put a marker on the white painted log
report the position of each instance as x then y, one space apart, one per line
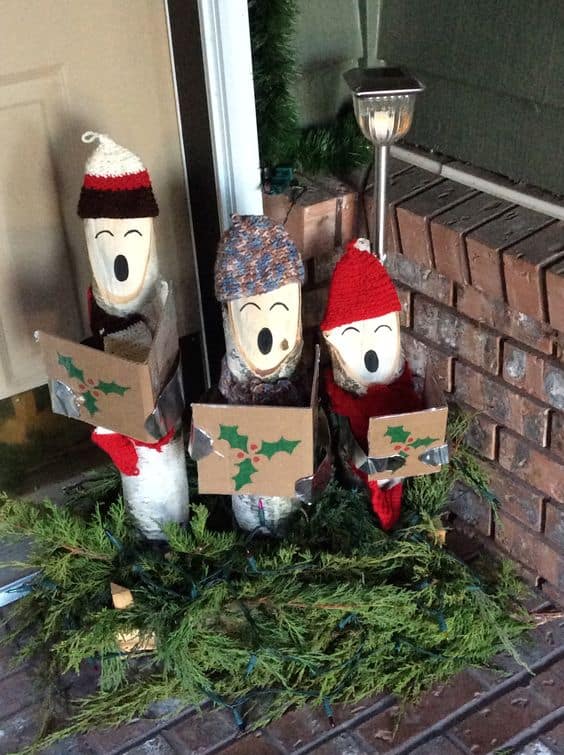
266 328
276 512
367 352
263 336
159 493
123 260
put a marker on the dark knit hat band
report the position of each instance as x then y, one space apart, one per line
131 203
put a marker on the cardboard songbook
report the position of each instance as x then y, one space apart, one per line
107 390
259 450
410 444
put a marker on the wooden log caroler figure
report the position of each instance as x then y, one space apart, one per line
258 277
369 376
126 299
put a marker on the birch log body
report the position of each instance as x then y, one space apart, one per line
159 493
258 277
276 512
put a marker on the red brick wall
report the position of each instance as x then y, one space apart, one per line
482 287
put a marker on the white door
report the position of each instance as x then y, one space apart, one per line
67 66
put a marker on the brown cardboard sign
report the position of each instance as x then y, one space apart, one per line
131 640
107 390
259 450
415 439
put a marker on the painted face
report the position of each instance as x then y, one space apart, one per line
369 351
119 251
267 327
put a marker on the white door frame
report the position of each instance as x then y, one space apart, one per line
226 48
211 59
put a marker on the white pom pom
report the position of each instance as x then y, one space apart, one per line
363 245
90 136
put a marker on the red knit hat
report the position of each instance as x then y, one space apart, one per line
116 183
360 288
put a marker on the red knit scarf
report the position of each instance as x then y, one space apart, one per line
395 398
122 450
379 400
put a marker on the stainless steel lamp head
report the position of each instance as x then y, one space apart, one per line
383 99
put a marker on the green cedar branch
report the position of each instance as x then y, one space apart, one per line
289 616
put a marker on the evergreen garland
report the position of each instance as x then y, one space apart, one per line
272 25
336 611
333 148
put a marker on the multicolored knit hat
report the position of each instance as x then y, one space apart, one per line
360 288
116 183
255 256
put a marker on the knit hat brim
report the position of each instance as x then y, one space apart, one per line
130 203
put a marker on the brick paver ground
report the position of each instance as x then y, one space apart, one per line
478 711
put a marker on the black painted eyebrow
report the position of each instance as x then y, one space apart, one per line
249 304
350 327
101 232
132 230
383 326
279 304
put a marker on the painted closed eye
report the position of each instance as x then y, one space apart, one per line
101 232
132 230
279 304
350 327
383 326
249 304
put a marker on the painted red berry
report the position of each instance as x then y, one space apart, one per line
82 387
397 448
96 393
90 381
253 446
240 455
256 458
410 440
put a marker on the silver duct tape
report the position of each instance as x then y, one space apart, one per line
200 443
368 464
304 488
169 407
18 589
64 400
308 488
379 464
435 457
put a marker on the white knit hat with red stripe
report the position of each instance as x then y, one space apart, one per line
116 183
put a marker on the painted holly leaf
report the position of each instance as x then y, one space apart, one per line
112 387
231 434
245 474
282 445
69 365
90 403
422 442
397 433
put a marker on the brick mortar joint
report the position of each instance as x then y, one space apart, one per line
498 378
539 536
527 487
452 309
